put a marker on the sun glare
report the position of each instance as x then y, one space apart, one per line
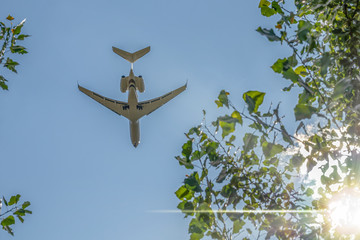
344 210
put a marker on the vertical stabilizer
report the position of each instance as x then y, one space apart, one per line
131 57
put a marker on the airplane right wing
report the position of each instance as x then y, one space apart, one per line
121 108
147 107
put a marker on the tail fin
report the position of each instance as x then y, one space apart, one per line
131 57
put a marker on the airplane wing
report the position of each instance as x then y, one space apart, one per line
147 107
121 108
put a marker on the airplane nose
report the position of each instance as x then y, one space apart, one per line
136 144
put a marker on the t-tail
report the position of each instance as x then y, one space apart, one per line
131 57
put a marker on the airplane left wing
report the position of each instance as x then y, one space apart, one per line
147 107
121 108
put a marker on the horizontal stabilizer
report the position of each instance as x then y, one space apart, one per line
131 57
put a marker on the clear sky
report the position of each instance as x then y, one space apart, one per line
73 158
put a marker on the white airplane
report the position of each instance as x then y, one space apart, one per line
133 109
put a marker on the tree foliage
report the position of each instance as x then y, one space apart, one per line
8 38
256 163
14 209
9 35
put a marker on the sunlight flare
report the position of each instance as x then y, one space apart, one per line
344 210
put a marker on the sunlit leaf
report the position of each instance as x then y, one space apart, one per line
10 18
253 99
237 116
227 128
301 70
267 12
183 193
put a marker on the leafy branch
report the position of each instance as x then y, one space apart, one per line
13 209
9 37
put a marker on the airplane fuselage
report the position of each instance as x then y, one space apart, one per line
134 123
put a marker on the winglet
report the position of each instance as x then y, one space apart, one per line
131 57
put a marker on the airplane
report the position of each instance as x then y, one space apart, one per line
133 109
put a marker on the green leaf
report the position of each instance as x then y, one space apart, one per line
14 199
187 149
22 37
18 49
277 7
227 190
193 183
263 3
303 111
197 229
20 218
269 33
301 70
186 207
223 99
310 165
237 116
291 75
250 141
267 12
20 212
183 193
290 187
238 224
297 160
253 99
10 220
9 230
309 192
285 135
206 216
227 128
280 65
271 149
5 202
10 18
335 175
3 83
304 28
10 64
222 175
340 88
25 204
324 63
186 162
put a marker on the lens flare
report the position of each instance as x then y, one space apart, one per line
238 211
344 210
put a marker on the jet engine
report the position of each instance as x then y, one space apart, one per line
137 82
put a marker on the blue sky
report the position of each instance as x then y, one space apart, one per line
73 158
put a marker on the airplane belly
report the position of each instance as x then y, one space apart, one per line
135 133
